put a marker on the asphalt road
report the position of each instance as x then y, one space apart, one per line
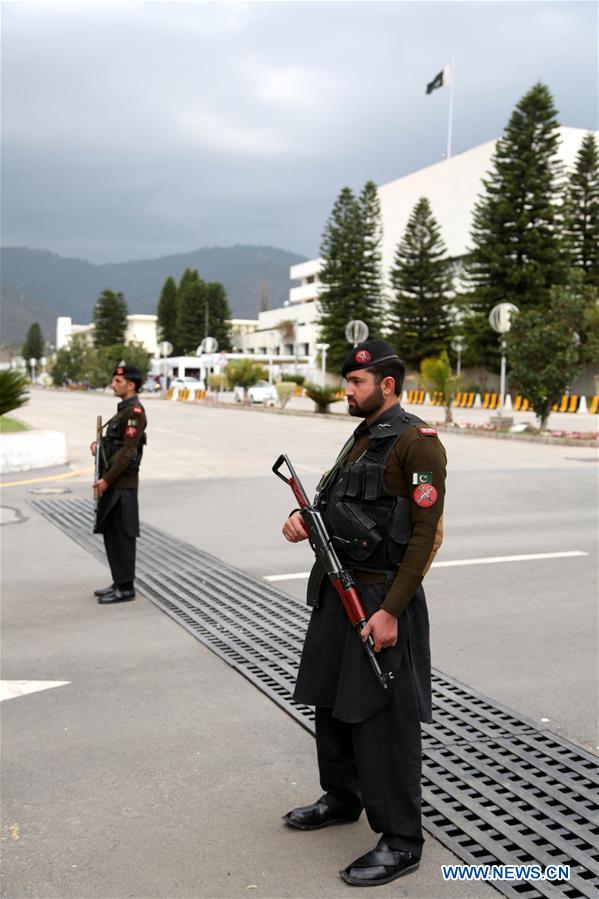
523 632
158 771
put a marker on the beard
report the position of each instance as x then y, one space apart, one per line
373 402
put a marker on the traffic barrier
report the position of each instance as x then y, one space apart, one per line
594 407
437 398
521 404
567 404
416 397
491 401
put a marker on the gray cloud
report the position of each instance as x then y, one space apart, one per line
138 129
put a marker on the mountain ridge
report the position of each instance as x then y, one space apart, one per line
38 285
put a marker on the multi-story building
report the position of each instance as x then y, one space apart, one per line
452 187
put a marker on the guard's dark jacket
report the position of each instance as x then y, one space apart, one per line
121 452
386 538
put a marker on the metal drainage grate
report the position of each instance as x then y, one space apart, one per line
496 789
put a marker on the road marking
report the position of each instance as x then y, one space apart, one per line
490 560
51 477
10 689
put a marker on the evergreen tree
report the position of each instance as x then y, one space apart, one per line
544 349
33 347
421 277
110 319
219 315
582 210
372 265
191 312
518 249
167 312
342 298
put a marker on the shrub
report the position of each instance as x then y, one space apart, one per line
295 379
322 396
13 390
245 373
285 390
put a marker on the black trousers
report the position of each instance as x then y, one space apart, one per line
120 544
377 763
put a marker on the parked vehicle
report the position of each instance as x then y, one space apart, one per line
262 392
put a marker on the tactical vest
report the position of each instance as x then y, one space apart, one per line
113 441
371 528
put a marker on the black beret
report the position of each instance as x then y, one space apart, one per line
129 372
367 354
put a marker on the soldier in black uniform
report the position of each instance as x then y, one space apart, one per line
383 502
117 516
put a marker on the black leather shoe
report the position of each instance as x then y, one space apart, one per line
102 591
322 813
116 595
381 865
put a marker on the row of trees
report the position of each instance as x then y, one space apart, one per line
191 311
534 242
92 364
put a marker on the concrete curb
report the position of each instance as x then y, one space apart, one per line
476 432
27 450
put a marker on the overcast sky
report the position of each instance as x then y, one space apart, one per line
134 130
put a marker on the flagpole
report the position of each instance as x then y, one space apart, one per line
450 119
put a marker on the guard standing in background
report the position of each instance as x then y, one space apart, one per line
382 501
118 515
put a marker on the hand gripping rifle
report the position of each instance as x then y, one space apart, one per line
339 576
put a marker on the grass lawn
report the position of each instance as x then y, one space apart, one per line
10 425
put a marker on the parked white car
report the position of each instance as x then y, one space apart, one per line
262 392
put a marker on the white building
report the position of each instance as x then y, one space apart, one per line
141 328
452 186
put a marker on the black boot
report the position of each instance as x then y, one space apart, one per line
381 865
322 813
102 591
116 595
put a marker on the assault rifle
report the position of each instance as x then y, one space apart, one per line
98 460
340 577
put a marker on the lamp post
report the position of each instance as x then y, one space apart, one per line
322 348
32 364
458 344
500 319
165 349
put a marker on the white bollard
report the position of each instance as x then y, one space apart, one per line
427 399
404 396
478 401
582 406
508 402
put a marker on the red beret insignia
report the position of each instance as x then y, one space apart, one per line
428 432
120 370
137 409
363 356
425 495
131 432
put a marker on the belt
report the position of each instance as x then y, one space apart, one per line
367 578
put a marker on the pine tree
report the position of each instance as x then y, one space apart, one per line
219 315
518 249
372 266
422 278
191 312
167 312
33 347
582 210
343 249
110 319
